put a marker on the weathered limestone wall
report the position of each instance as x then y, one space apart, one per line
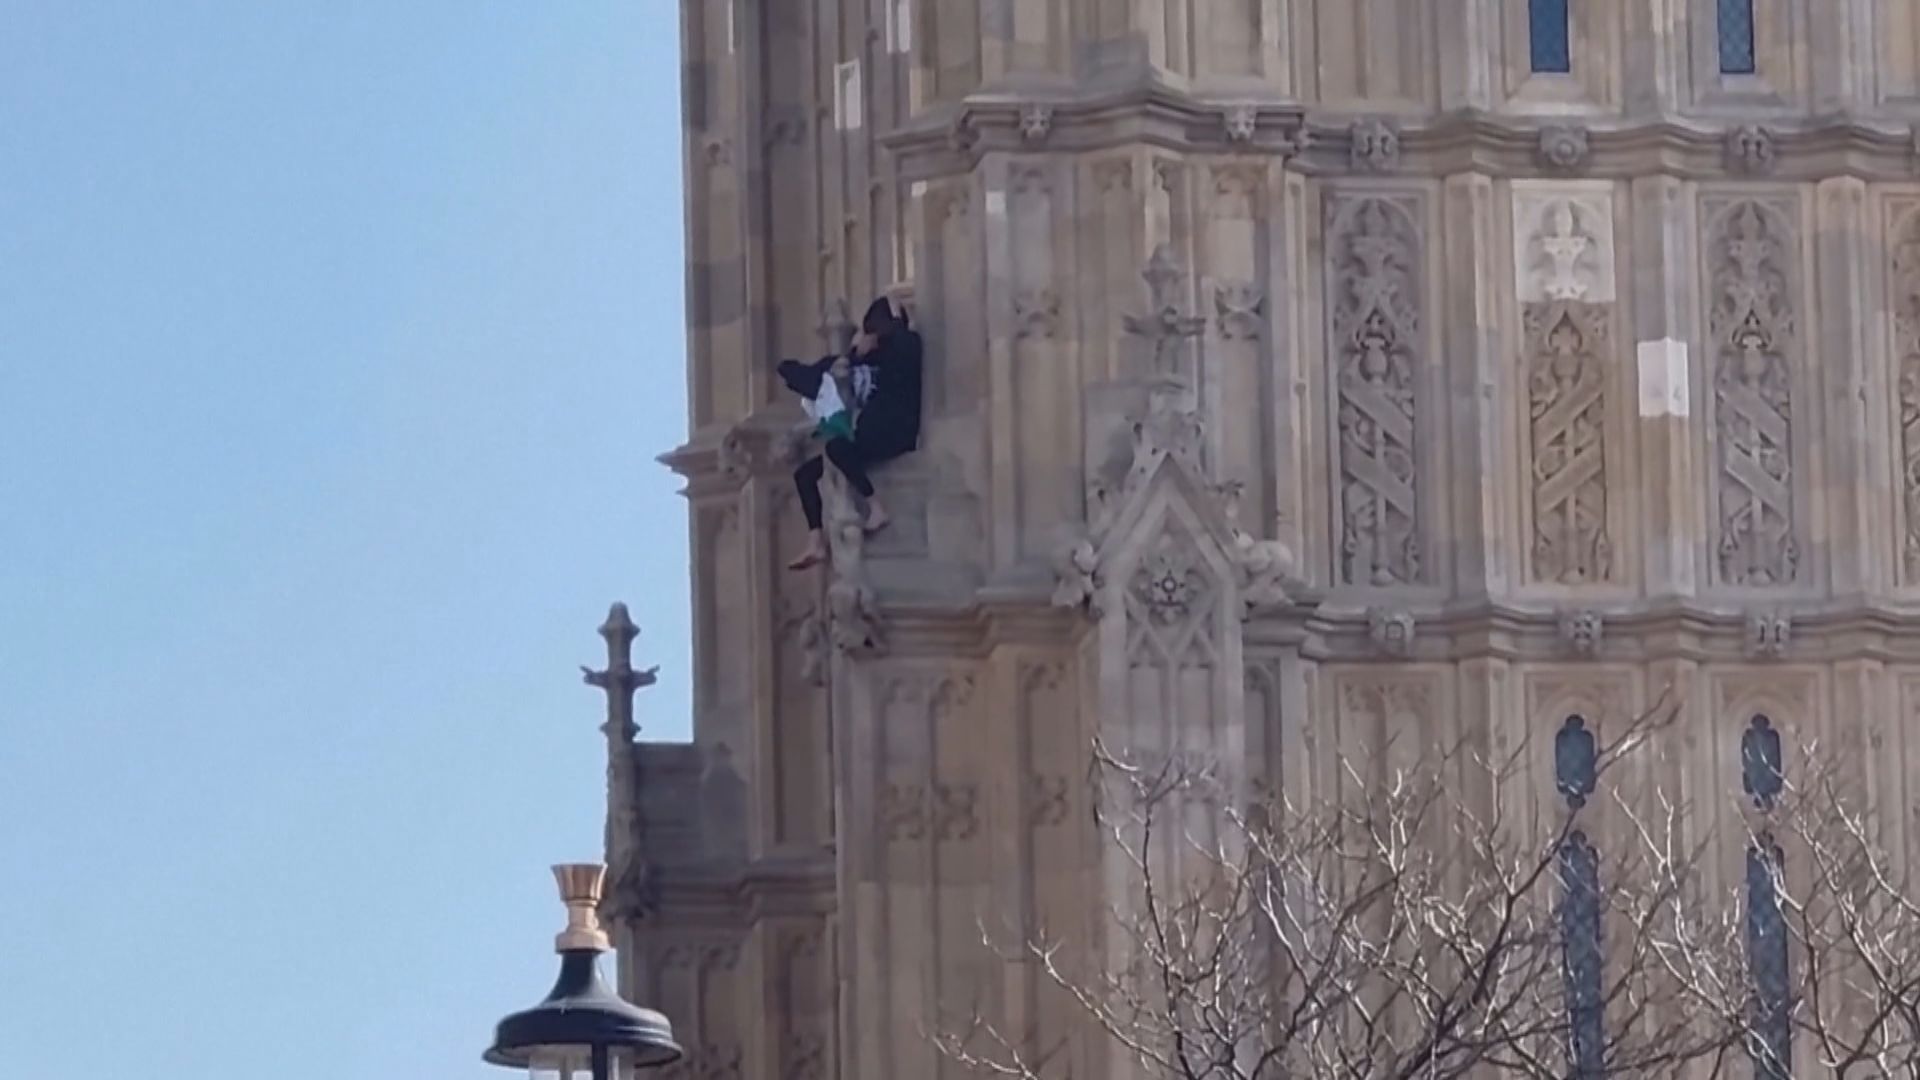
1299 371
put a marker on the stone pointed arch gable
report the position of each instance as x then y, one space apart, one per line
1161 574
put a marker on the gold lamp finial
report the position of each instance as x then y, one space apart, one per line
580 885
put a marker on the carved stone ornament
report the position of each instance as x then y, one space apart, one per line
1769 633
1076 574
1266 568
736 461
806 1054
1391 630
956 811
962 133
1374 255
1241 309
1240 121
1031 180
718 1062
903 812
1171 429
1048 800
1566 252
1751 150
855 625
625 895
1169 583
1905 259
802 630
786 131
1563 146
1036 122
1036 313
1168 327
1171 602
1582 631
1567 343
1373 146
1754 340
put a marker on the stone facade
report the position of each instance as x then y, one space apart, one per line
1294 367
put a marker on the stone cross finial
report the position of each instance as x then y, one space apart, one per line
626 871
1167 328
619 680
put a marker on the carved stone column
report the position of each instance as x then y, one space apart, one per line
1575 391
1480 481
1663 305
1850 370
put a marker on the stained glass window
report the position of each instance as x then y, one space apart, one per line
1573 761
1547 41
1762 774
1736 37
1574 768
1771 1043
1580 938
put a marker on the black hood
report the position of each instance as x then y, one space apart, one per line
880 319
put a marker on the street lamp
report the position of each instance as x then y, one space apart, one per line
583 1030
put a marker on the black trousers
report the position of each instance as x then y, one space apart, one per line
853 457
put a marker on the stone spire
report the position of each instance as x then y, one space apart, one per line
626 867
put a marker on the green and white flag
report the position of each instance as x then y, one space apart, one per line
831 420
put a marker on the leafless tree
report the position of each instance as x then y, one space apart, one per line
1811 953
1434 917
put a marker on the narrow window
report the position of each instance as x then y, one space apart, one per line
1547 37
1762 773
1581 956
1771 1042
1575 766
1736 37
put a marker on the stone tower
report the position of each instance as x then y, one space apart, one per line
1294 367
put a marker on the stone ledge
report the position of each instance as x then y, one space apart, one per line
950 141
734 893
1717 631
1702 630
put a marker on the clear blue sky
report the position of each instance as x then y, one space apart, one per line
337 339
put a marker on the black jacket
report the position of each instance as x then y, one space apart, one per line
889 415
886 385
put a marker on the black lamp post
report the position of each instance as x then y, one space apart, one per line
583 1030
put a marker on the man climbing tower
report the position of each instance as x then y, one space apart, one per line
885 366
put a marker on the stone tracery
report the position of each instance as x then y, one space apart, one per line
1755 348
1374 282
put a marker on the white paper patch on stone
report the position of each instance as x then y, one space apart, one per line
1664 385
847 103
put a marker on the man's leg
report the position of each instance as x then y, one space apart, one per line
806 478
852 458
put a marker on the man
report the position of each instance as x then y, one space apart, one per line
885 365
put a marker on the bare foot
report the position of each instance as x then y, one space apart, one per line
815 554
877 518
